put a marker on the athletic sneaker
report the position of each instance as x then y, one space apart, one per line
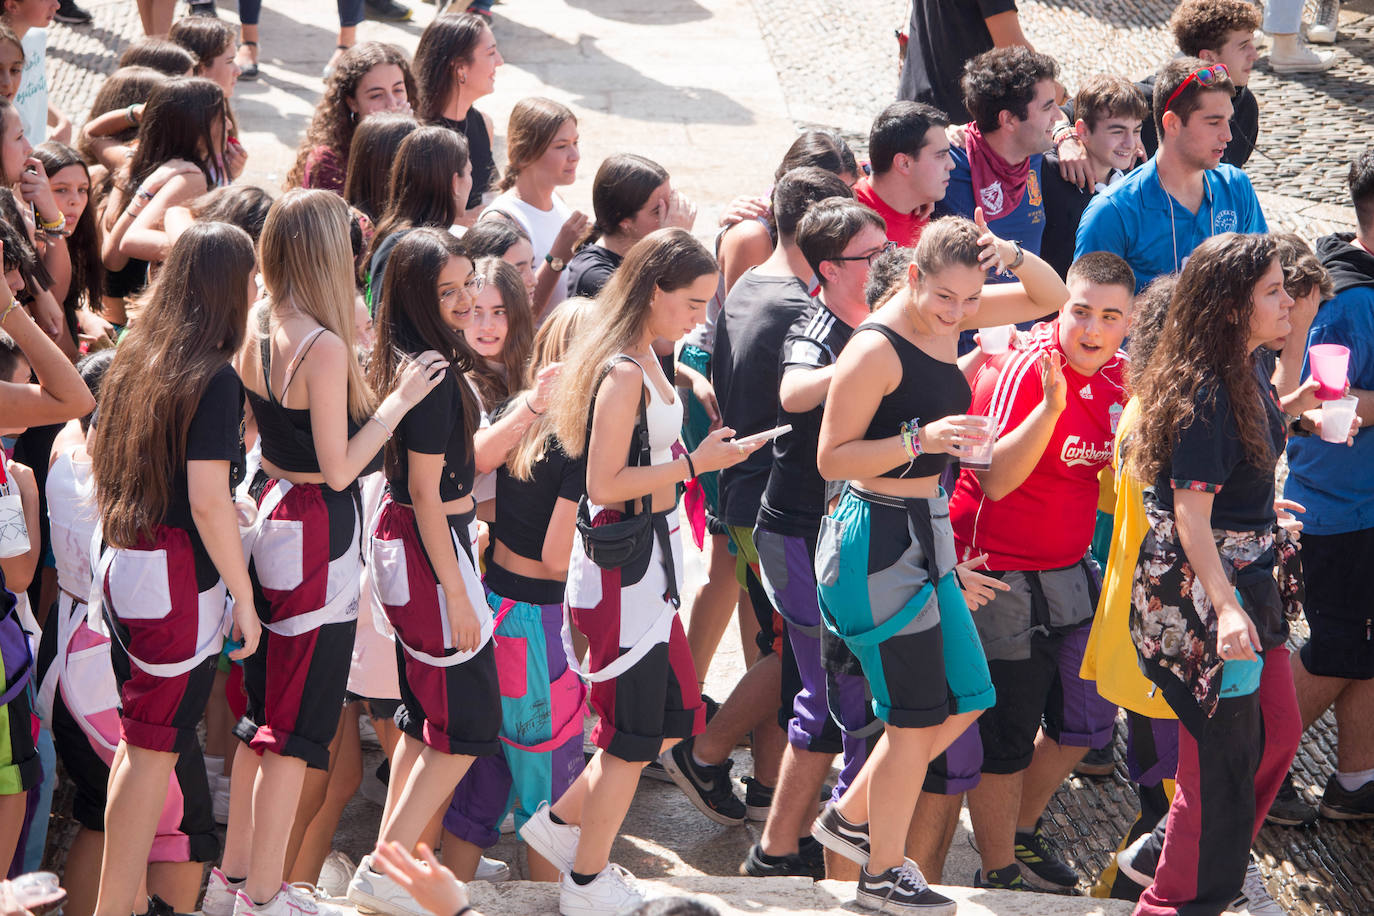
386 11
707 787
493 870
203 8
1301 59
1322 30
902 889
838 835
611 891
1290 809
335 874
1034 852
71 14
291 900
807 862
1126 864
1006 878
1340 804
758 799
219 895
1254 897
654 770
557 843
1097 762
373 892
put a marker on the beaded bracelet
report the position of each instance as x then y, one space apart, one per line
53 226
14 304
911 437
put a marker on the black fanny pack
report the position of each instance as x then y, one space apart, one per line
627 544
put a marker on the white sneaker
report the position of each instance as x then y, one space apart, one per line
373 892
1125 862
1322 30
611 891
1254 899
557 843
492 870
219 799
219 895
508 825
1301 60
335 874
291 900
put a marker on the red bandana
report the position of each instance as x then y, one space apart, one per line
997 186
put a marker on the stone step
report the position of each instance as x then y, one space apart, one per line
799 896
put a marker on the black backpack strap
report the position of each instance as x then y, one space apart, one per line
640 456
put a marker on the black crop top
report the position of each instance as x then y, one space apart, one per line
288 441
524 507
929 390
215 434
435 427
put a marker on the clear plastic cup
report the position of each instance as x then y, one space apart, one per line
995 340
1337 417
1329 363
979 457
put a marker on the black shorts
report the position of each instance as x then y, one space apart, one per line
1339 611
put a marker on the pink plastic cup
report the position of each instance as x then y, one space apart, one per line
1329 363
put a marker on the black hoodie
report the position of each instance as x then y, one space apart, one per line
1349 265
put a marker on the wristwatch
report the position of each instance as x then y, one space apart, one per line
556 263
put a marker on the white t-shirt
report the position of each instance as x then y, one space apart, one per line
542 226
32 98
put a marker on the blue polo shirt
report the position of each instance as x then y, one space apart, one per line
1025 224
1138 220
1334 482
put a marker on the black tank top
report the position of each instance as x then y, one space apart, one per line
473 128
929 390
286 435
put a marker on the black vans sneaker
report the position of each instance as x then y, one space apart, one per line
758 799
902 890
835 833
807 862
1342 804
707 787
1290 809
1040 859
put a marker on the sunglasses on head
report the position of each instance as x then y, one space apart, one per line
1204 77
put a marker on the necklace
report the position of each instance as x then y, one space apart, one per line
1173 231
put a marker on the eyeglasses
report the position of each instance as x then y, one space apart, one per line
887 246
1204 77
475 284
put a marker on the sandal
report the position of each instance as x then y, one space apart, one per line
249 71
484 12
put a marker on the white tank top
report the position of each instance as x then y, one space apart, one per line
664 418
72 516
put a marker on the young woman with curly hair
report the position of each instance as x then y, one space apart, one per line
370 77
1208 617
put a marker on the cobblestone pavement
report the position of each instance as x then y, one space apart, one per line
836 66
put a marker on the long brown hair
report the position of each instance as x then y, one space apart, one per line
193 323
370 155
1205 345
420 189
333 123
127 86
495 386
176 125
307 262
450 39
534 122
667 260
88 271
408 320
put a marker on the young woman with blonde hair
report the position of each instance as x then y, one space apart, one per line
320 427
541 143
643 683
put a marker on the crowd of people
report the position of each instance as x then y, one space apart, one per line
978 434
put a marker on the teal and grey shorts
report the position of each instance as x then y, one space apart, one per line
885 578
